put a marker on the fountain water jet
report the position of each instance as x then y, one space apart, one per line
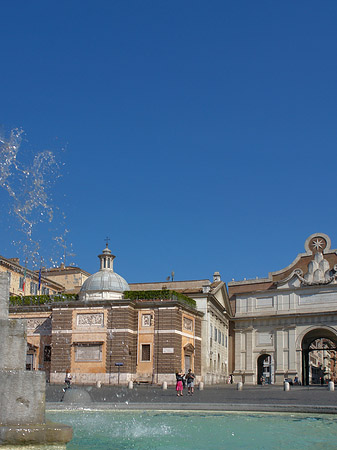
22 393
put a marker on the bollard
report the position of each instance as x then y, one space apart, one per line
164 386
331 386
201 386
286 386
99 384
239 386
130 385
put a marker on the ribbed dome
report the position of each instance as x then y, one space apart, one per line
105 280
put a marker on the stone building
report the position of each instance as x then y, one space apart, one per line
70 277
112 335
285 325
23 281
213 302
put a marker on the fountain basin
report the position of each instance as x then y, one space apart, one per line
37 435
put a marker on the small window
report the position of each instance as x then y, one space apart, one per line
47 353
223 339
146 352
211 330
21 283
226 341
215 334
219 337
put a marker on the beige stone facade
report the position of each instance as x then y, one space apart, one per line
113 341
278 321
213 301
71 278
23 281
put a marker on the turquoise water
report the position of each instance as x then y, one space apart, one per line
152 430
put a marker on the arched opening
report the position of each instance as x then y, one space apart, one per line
319 350
264 369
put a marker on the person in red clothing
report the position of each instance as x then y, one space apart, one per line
179 385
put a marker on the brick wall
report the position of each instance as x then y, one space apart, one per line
61 340
122 343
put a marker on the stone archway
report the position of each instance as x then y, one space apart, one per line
264 369
319 350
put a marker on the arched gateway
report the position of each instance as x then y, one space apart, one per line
319 348
292 316
264 369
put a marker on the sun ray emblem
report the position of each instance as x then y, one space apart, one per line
318 244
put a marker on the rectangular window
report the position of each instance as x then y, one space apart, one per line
226 341
45 290
21 283
33 288
219 337
88 352
215 334
146 352
47 353
223 339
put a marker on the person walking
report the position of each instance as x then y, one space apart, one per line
179 384
190 382
67 380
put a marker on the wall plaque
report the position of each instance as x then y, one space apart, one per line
265 338
88 353
168 350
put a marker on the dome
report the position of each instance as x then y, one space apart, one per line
104 284
105 280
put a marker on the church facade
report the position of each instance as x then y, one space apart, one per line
285 326
112 335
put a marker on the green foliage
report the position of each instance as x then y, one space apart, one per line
163 294
35 300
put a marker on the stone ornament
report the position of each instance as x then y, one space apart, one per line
146 320
89 320
38 322
188 324
319 272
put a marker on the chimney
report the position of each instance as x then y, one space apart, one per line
206 288
216 277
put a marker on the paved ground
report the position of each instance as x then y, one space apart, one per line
313 399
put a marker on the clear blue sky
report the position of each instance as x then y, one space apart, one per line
199 136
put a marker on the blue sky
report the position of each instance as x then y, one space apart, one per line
199 136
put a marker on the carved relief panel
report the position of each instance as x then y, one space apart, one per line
187 324
90 320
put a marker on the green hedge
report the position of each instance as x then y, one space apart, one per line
163 294
17 300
